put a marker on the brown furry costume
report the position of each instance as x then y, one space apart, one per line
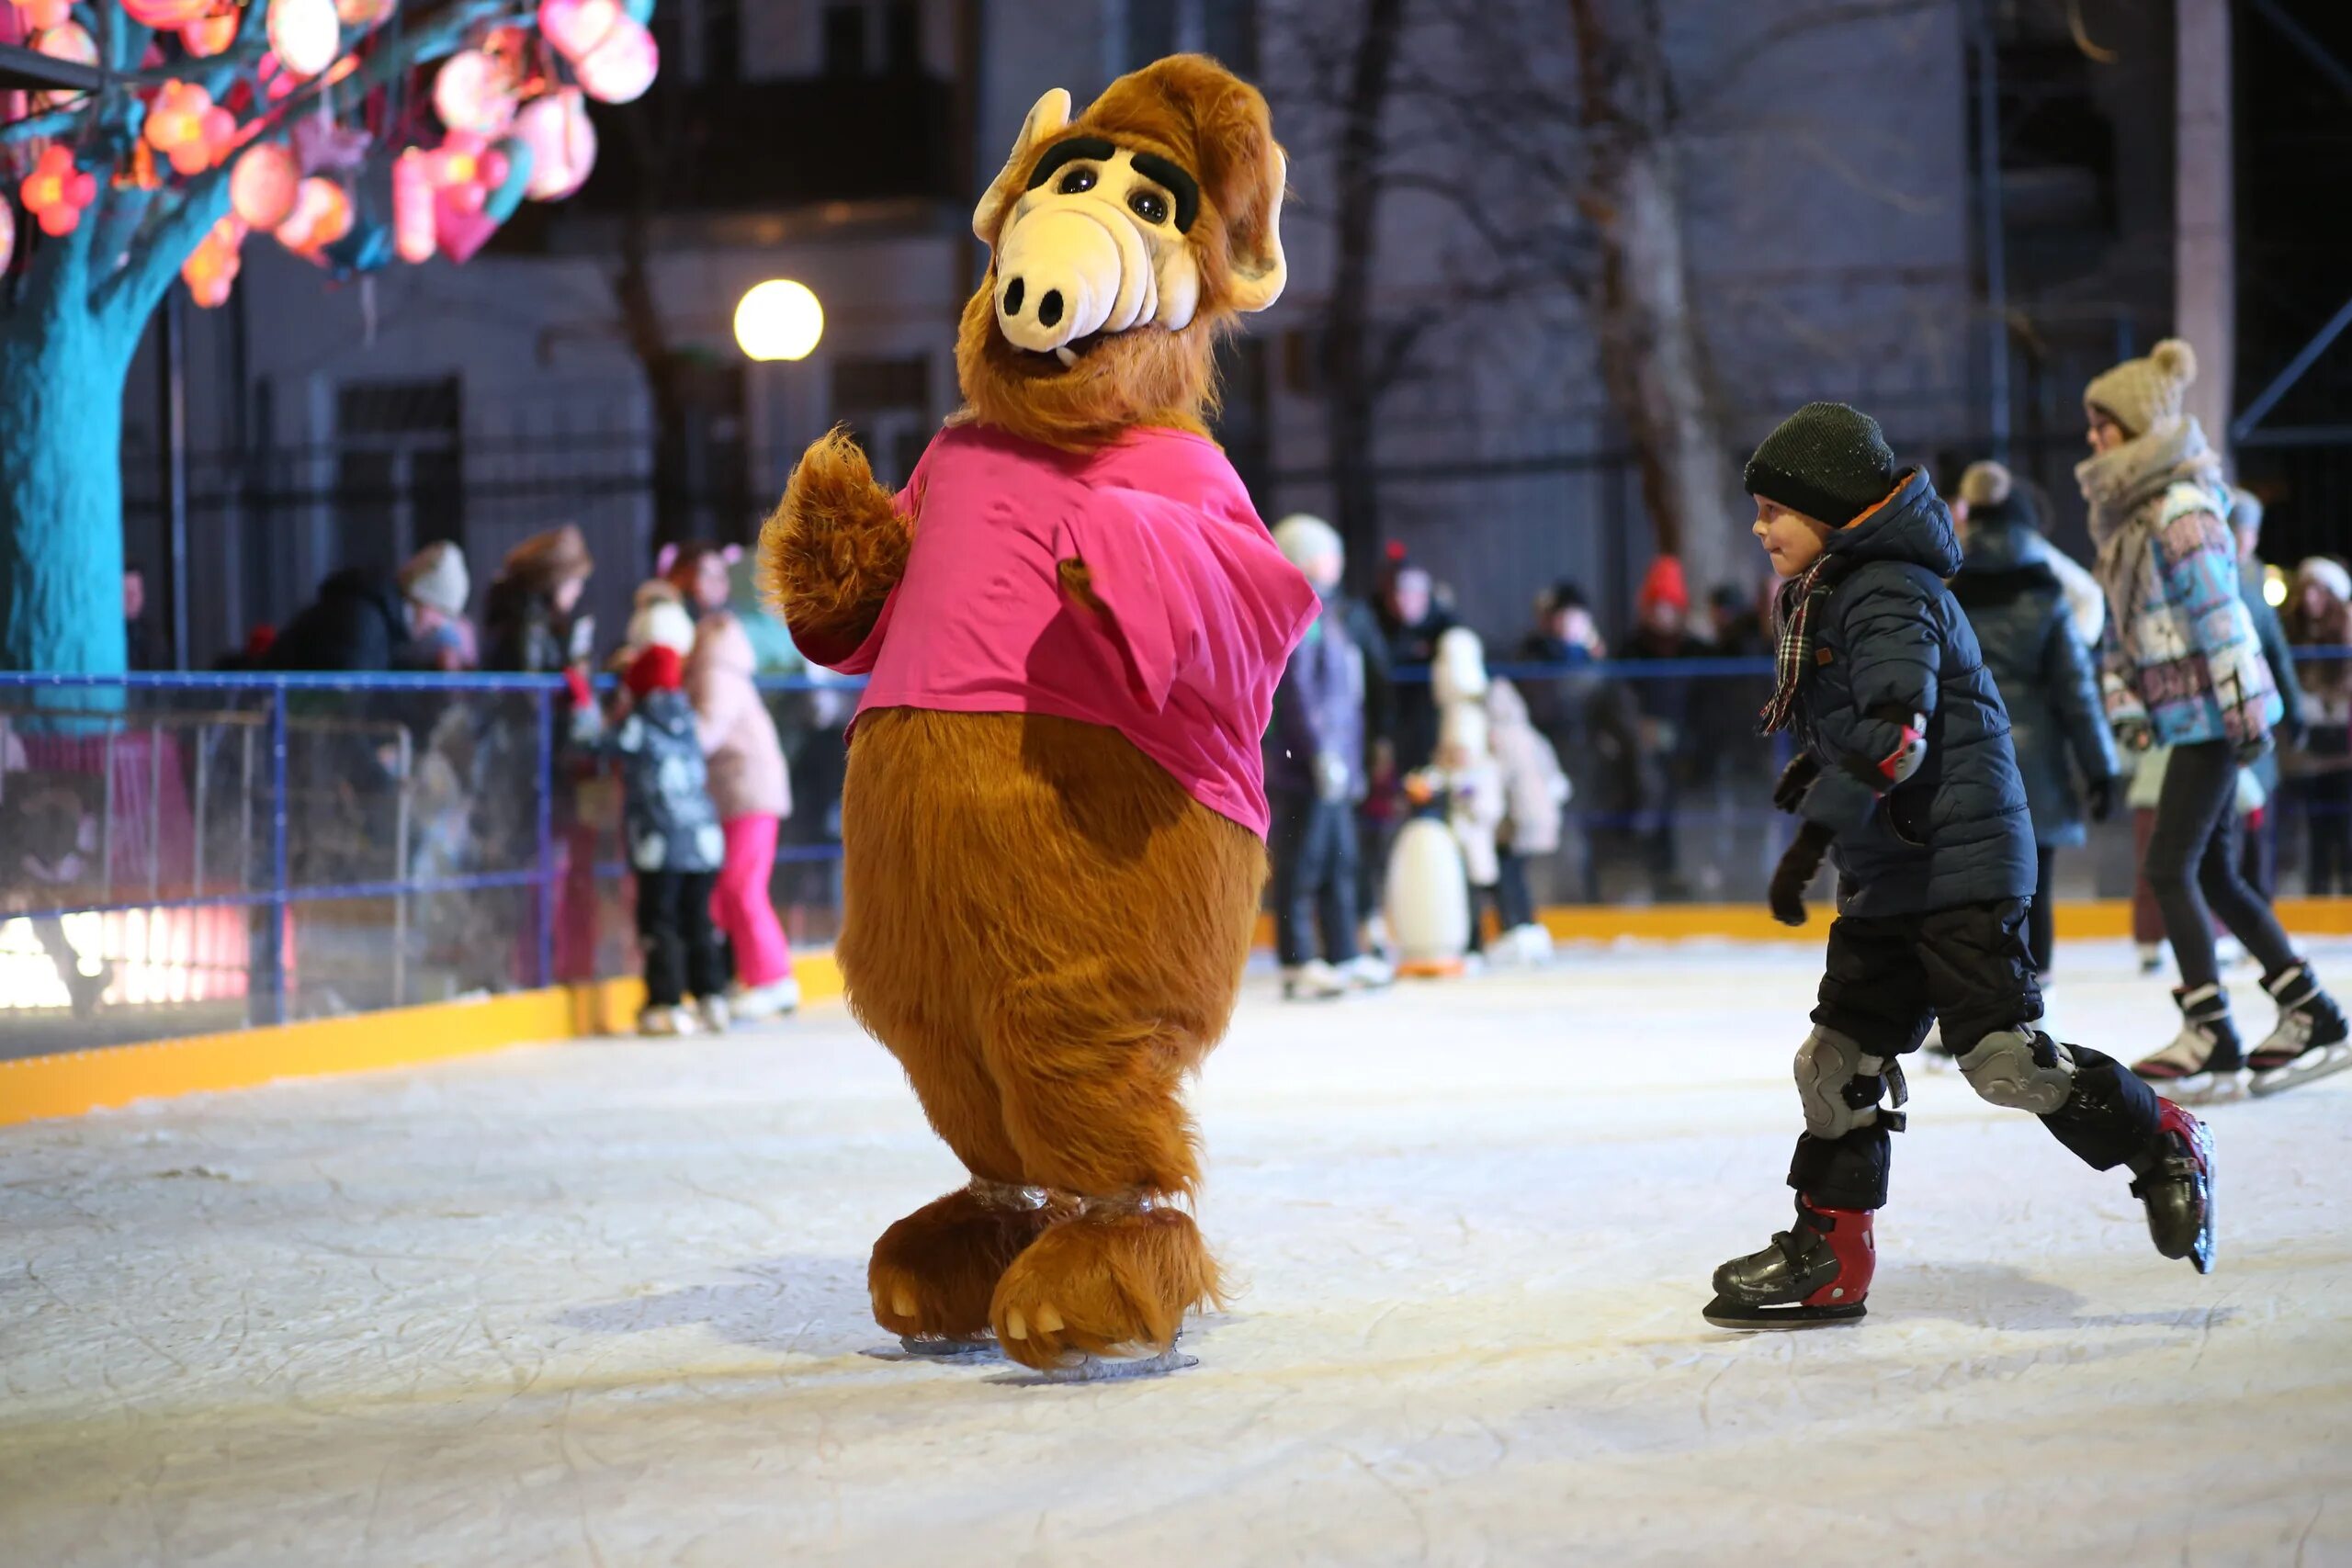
1042 925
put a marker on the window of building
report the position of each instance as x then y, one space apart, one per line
399 470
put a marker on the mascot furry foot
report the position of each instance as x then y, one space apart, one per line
1054 818
934 1272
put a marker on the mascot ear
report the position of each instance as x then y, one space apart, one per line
1257 279
1046 117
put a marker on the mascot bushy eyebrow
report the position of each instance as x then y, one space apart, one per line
1054 814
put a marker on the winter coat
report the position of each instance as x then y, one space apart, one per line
359 623
2182 657
1536 790
1890 642
666 815
745 759
2016 605
522 632
1316 746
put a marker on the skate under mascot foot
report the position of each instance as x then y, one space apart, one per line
1055 811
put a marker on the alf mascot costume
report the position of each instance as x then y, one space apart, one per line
1054 814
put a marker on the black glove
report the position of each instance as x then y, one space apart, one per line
1797 869
2101 791
1795 779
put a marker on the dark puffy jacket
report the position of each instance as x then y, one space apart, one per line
1318 711
2048 679
666 813
359 623
1890 641
2281 658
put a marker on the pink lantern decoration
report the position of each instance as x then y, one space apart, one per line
67 41
562 141
263 185
363 14
413 236
619 69
166 14
187 126
43 14
304 34
210 35
574 27
322 215
474 93
7 233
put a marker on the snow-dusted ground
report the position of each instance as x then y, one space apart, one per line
605 1304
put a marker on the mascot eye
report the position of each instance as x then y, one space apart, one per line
1077 180
1149 206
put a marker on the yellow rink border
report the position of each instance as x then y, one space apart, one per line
73 1082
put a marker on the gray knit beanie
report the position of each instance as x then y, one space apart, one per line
435 577
1826 460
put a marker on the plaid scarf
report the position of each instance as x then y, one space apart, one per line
1798 602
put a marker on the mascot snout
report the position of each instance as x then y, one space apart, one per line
1066 273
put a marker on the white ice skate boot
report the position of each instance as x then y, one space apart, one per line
777 997
2152 958
2312 1039
1529 944
2204 1065
713 1014
663 1023
1314 981
1368 972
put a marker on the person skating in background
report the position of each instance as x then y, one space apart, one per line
363 621
1906 780
670 830
2184 671
138 637
747 785
1662 633
1463 779
1590 722
1535 797
2260 865
1315 775
2048 679
1407 621
2319 615
531 619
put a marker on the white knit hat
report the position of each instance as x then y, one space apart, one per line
2145 393
436 578
1301 539
2328 573
661 620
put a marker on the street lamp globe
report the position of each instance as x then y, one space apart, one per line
779 320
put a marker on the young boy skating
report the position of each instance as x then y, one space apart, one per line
1907 781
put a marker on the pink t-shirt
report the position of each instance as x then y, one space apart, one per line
1203 609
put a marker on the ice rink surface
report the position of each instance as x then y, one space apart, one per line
605 1304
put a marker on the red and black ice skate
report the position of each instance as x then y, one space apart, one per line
2175 1179
1815 1273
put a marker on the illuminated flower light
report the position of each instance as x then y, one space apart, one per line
363 14
70 42
574 27
187 126
305 35
619 69
474 93
166 14
413 236
562 140
210 269
263 185
56 192
277 81
8 234
322 215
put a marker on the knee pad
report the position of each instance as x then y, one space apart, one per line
1838 1083
2022 1069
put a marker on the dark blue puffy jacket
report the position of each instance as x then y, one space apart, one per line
2048 679
1890 641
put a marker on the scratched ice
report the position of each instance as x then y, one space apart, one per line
604 1303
